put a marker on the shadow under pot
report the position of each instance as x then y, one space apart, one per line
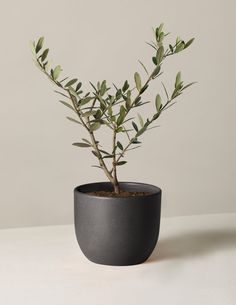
117 231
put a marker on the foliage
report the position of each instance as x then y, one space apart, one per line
104 107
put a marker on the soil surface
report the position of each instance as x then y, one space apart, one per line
121 194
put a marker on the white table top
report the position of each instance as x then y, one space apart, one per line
194 264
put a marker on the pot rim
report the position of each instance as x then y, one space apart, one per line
156 190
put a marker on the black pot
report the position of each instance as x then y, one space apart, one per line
117 231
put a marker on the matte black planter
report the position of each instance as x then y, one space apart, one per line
117 231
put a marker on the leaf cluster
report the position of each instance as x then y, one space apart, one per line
110 106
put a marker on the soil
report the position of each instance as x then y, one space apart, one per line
121 194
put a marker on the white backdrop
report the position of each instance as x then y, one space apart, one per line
191 156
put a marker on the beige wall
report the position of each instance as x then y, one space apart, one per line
191 156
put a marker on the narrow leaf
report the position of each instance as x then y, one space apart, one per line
121 116
89 113
103 88
167 95
121 163
67 105
78 86
159 55
125 86
95 126
56 72
73 120
140 120
180 47
120 146
95 153
39 44
188 85
85 140
32 46
137 79
158 102
145 69
135 126
85 100
188 43
154 59
143 88
178 79
44 55
141 131
71 82
156 71
80 144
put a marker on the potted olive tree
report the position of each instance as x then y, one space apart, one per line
116 223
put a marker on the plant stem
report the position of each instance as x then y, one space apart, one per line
115 180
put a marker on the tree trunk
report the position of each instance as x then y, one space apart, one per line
116 186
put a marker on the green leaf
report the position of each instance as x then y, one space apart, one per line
120 129
188 85
159 55
156 71
71 82
67 105
73 92
119 145
125 86
118 94
188 43
73 120
171 48
95 126
95 153
178 79
161 37
121 163
39 44
180 47
78 86
154 59
96 166
121 116
167 95
89 113
56 72
140 120
44 55
135 126
85 140
32 46
79 144
138 82
158 103
160 28
103 88
143 88
134 141
105 152
128 103
141 131
85 100
145 69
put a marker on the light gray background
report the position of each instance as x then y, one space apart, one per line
191 156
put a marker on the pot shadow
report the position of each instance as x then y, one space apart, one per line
194 244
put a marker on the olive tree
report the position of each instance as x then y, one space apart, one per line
111 106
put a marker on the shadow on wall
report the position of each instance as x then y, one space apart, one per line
194 244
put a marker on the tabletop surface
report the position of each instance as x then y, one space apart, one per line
194 263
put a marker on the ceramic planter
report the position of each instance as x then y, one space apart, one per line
117 231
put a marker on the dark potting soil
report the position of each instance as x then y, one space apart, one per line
121 194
